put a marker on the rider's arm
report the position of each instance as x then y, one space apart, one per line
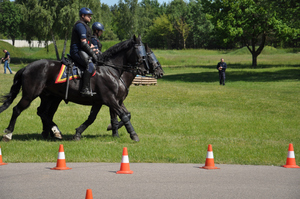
86 48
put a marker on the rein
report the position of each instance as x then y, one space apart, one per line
127 68
142 57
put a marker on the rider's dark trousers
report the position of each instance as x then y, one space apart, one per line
76 57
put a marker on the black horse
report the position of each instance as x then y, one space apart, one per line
38 80
126 79
49 105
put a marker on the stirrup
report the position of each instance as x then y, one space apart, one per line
87 93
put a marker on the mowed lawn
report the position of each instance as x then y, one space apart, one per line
250 120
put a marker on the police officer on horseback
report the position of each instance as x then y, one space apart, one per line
80 49
98 29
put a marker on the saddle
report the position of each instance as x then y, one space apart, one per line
75 72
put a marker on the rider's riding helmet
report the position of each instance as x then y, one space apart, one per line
97 26
85 11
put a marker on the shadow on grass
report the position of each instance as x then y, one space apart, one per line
39 137
248 76
235 66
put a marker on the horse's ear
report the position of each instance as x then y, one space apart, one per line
146 46
134 37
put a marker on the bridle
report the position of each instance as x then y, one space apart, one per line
142 59
142 56
152 59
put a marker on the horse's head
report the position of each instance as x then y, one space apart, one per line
155 67
142 63
130 53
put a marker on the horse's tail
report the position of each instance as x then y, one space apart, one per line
14 90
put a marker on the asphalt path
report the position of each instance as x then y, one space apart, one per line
149 180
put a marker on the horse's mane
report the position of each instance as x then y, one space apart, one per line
117 48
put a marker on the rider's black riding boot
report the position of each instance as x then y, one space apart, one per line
85 91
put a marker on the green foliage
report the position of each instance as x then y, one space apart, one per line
160 33
106 20
250 21
195 24
10 18
201 35
125 19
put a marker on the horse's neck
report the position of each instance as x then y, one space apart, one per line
128 78
117 64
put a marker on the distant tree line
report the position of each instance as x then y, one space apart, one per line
211 24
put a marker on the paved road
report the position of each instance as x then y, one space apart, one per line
36 180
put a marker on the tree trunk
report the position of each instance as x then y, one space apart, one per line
13 40
54 43
65 44
257 52
254 60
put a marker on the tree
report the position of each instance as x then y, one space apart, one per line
201 34
106 19
178 12
67 16
10 20
250 21
160 34
52 19
289 13
38 20
125 19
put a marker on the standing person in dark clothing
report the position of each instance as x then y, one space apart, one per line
98 29
221 68
80 49
6 61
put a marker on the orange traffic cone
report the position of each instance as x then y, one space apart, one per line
209 163
125 168
1 163
89 194
291 161
61 162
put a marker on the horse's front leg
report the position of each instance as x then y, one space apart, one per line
120 123
126 120
114 123
93 114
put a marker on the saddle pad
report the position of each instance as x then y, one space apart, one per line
62 75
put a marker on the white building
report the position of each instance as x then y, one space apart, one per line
24 43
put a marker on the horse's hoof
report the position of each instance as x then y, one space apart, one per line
116 135
58 136
5 139
8 136
56 132
76 137
135 137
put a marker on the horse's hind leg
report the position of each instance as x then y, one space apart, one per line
17 110
120 123
46 111
55 132
93 114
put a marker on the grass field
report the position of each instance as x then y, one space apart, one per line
251 120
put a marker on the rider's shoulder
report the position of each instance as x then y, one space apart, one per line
80 28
